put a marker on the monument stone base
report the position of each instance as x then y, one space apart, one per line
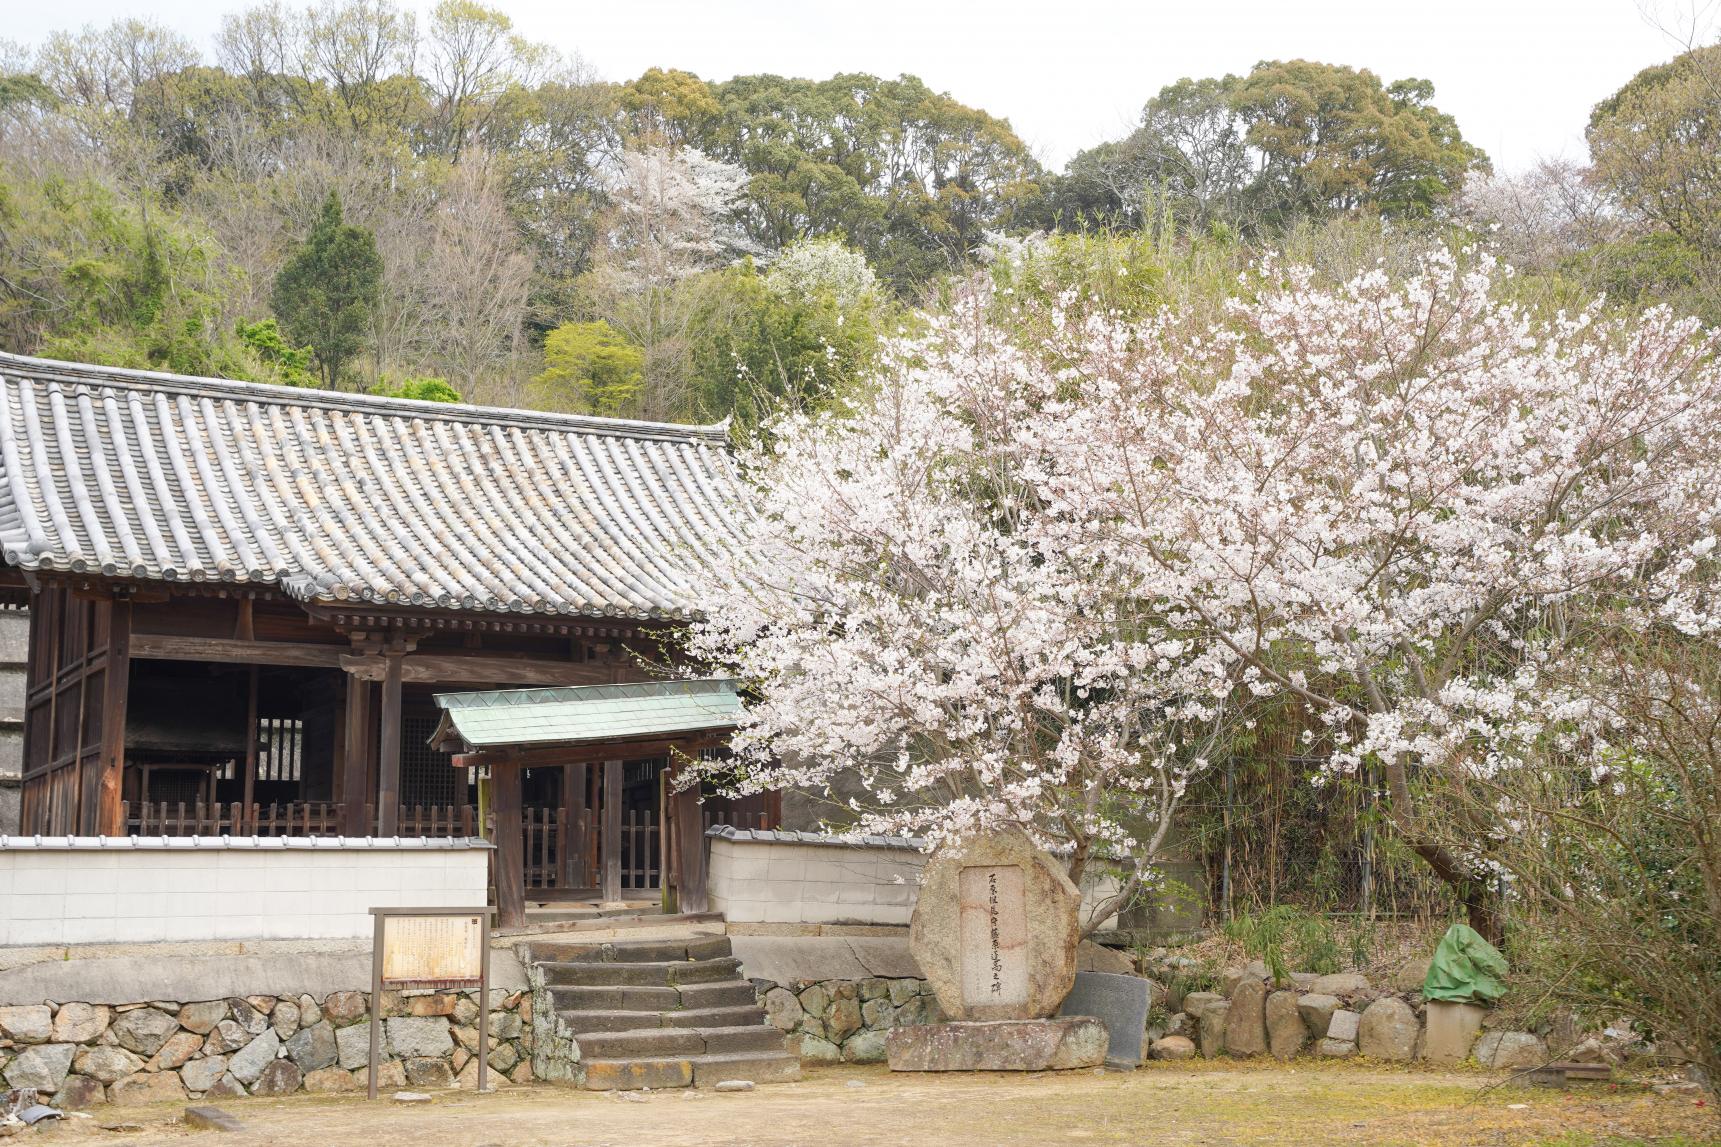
1057 1044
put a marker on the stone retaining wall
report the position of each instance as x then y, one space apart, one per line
845 1021
83 1055
1343 1015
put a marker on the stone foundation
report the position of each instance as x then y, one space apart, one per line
1059 1044
84 1054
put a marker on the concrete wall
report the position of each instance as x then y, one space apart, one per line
761 876
82 890
14 653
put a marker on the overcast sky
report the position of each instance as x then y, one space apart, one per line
1519 75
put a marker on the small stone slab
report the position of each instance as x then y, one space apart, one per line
1059 1044
212 1119
411 1097
735 1085
1120 1003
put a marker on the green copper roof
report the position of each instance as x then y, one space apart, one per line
577 715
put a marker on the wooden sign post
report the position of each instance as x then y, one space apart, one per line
441 948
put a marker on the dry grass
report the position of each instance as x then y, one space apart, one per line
1201 1103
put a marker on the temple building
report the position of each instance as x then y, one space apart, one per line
245 602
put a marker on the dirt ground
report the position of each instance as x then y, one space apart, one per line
1160 1104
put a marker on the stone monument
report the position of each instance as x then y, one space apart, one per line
995 931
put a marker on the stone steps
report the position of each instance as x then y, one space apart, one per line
666 1042
661 1013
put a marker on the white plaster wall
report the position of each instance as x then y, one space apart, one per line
764 882
785 882
283 888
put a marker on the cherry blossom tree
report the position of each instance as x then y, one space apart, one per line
1399 501
918 627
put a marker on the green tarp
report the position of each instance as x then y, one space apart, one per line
1466 969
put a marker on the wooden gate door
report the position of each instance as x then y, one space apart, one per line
74 714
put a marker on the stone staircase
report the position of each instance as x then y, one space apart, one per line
661 1013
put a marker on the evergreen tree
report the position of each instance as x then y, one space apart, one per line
325 293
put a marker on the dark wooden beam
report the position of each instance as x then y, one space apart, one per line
611 859
510 855
116 681
355 785
388 783
463 669
161 647
251 739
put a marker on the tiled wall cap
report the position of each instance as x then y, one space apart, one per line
785 836
246 843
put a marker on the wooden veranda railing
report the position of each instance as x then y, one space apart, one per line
641 863
285 818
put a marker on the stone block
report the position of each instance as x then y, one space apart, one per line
211 1119
249 1061
285 1019
1172 1047
422 1036
79 1093
1286 1032
816 1048
632 1075
842 1019
1197 1002
1411 974
106 1064
866 1047
203 1074
878 1014
1246 1020
314 1048
1345 985
1342 1024
226 1088
999 1045
783 1009
80 1023
150 1087
504 1058
180 1046
1335 1048
429 1071
1451 1031
247 1016
144 1030
282 1077
1510 1051
1120 1002
352 1046
345 1007
227 1036
27 1023
1317 1012
1212 1028
41 1066
202 1018
1388 1030
331 1080
436 1004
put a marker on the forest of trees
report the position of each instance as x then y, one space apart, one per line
350 195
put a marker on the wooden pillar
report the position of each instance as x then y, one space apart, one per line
250 732
116 683
611 886
689 828
388 780
355 786
510 854
573 849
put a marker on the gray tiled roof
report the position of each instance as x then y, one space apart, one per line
350 498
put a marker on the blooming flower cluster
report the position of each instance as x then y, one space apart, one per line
1032 584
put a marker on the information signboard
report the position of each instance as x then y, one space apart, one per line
431 948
